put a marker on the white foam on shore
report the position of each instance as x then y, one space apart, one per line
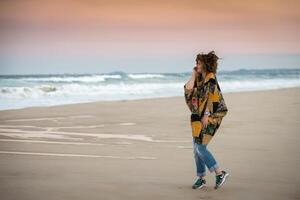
172 141
52 142
78 155
35 134
123 143
67 127
48 118
127 124
21 91
54 127
109 136
48 133
184 147
54 133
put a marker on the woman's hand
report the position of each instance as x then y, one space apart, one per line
190 84
204 121
194 73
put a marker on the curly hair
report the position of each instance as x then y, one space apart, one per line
210 61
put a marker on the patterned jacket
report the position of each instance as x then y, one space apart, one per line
206 93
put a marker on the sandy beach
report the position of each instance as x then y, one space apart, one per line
142 149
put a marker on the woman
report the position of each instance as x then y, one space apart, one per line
204 98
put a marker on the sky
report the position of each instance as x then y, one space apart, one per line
100 36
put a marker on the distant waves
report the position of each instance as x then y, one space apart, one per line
18 91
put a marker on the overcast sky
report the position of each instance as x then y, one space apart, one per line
88 36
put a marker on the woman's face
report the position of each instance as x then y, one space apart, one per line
199 66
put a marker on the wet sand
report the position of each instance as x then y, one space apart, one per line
142 149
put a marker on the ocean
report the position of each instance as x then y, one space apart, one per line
20 91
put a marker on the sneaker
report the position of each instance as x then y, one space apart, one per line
199 183
220 179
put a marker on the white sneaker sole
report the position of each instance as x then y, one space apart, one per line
200 187
223 180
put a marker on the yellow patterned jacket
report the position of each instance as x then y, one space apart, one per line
206 93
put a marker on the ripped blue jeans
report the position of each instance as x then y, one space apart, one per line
203 158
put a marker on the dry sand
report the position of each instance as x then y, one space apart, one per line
141 149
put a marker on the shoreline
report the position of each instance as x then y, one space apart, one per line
141 99
142 149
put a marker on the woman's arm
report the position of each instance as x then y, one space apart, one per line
190 84
212 96
189 91
215 102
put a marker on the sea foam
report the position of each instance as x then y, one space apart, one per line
19 91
